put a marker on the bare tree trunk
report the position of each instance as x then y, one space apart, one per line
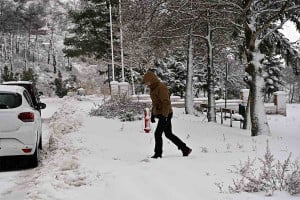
69 64
291 93
189 105
2 47
25 55
38 54
50 47
2 51
18 45
34 49
246 124
54 62
5 48
27 45
259 123
53 54
298 89
11 52
211 105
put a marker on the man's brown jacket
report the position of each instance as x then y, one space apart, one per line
159 93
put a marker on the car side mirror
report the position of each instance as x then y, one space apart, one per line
42 105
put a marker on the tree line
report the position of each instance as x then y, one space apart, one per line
205 47
205 34
29 34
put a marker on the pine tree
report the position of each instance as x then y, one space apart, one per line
273 66
172 70
60 91
7 75
90 34
29 75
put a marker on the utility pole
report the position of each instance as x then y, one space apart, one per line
124 86
226 79
111 43
121 42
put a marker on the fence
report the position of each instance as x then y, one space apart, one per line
277 107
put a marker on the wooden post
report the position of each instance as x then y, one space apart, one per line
221 115
230 118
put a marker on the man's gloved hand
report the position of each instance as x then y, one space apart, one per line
152 118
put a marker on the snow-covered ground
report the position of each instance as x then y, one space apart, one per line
96 158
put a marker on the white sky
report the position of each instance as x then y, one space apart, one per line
291 32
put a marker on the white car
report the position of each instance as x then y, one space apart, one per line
20 124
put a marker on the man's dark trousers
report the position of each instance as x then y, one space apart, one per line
165 125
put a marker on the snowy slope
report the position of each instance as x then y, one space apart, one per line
95 158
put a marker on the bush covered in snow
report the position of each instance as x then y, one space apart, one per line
270 176
120 107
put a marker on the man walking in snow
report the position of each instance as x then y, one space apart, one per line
161 109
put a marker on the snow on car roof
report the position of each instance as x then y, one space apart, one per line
17 82
11 88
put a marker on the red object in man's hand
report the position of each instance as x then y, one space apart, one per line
147 128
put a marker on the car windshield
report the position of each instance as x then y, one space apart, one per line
10 100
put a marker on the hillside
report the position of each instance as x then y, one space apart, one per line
42 40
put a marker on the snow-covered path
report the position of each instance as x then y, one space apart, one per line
95 158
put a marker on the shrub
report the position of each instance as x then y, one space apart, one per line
120 107
7 75
270 176
29 75
60 90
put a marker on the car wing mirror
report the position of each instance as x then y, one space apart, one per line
42 105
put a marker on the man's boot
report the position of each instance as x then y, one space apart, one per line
155 156
186 151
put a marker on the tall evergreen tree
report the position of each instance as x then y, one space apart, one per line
172 70
60 86
90 34
7 75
